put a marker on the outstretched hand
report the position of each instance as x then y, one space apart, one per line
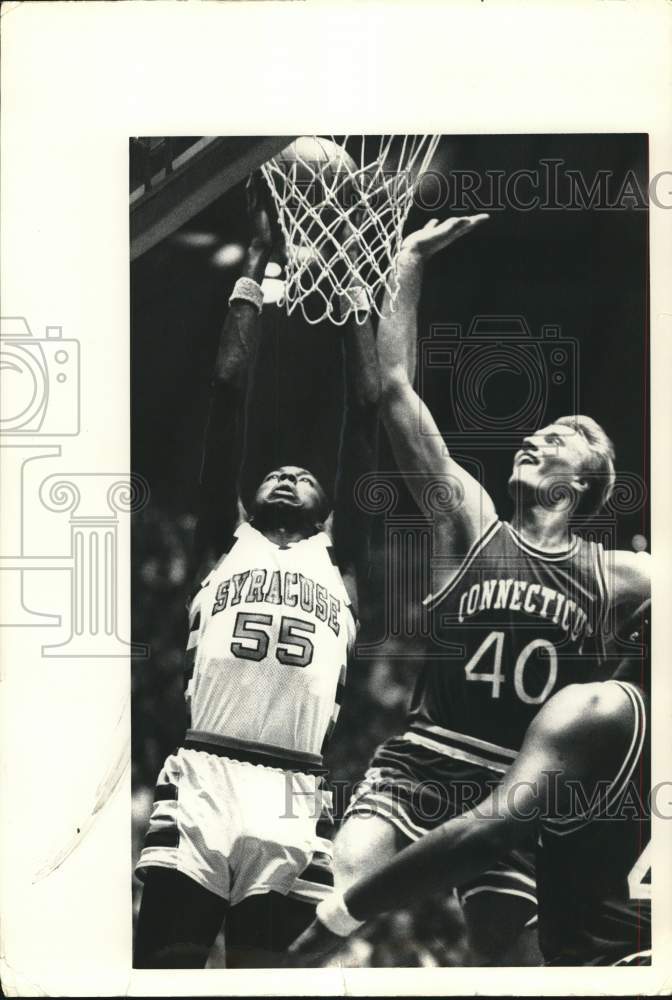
436 235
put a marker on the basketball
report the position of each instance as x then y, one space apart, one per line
321 171
341 215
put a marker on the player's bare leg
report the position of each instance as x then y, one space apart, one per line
364 843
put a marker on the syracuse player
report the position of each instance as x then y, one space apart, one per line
234 831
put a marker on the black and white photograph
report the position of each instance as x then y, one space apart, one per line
335 354
390 396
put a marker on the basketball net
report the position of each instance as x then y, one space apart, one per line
343 219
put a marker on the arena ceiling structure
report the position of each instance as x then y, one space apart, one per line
579 269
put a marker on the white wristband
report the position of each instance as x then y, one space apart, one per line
334 914
247 290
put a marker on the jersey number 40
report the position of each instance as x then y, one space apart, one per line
491 651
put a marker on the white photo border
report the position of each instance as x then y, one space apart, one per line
77 81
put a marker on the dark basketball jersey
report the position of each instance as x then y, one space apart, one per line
513 626
593 864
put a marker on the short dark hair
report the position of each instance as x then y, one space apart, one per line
599 472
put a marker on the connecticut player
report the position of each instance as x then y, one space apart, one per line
581 783
233 830
521 609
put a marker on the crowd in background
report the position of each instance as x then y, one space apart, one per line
578 277
377 694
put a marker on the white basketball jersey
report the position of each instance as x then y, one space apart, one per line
271 629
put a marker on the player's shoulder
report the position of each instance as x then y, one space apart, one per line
630 576
214 560
633 564
585 715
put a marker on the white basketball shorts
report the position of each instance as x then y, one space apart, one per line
236 828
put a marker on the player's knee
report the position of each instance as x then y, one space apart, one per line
349 860
363 844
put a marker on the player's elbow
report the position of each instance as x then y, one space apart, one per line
394 385
228 377
493 834
367 395
501 823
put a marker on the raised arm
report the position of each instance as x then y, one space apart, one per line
580 735
357 453
416 442
223 449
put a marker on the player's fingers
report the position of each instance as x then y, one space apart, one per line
452 228
464 224
456 222
466 221
475 220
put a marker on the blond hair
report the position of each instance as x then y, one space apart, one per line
599 472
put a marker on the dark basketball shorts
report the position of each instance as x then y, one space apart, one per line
417 790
